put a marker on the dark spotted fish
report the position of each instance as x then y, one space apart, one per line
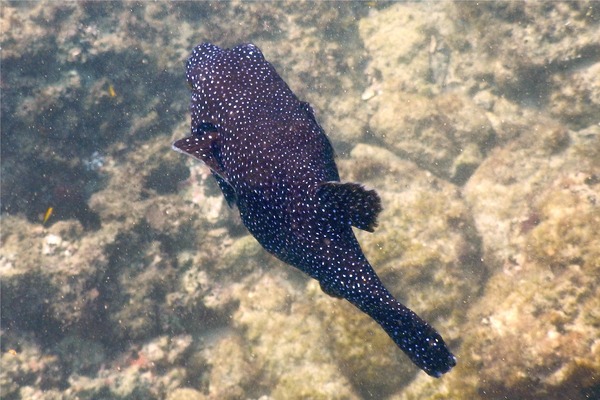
271 158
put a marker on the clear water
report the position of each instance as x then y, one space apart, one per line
125 275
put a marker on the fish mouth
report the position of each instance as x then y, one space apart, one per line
450 363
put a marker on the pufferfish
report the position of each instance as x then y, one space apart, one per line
271 158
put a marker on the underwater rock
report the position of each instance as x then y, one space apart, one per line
530 197
530 43
575 98
363 353
185 394
398 40
280 331
443 132
539 309
503 190
426 249
447 135
25 366
234 378
325 384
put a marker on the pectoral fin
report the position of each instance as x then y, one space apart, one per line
201 148
204 145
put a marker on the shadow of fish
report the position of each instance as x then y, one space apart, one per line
271 158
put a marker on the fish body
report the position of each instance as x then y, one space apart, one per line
272 159
47 215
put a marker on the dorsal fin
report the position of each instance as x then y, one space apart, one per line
356 205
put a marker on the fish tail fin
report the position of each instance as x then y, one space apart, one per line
415 337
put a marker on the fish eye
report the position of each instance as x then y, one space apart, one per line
205 127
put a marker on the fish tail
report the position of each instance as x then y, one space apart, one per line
415 337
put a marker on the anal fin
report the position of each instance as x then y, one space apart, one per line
330 291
